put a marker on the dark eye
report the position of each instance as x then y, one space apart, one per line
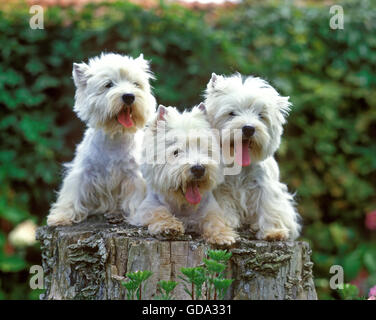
176 153
261 116
232 114
109 84
137 84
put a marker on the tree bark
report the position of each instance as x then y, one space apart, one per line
89 261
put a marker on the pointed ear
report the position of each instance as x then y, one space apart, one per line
202 107
213 81
80 74
285 104
284 107
144 64
161 113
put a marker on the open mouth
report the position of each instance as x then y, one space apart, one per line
242 152
125 117
192 192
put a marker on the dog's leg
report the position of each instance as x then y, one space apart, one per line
277 219
215 230
132 193
156 217
69 207
227 202
161 221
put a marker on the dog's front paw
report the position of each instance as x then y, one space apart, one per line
224 236
56 218
273 235
168 226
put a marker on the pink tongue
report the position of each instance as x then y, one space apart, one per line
192 194
242 156
124 118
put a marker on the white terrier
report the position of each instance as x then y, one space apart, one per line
255 196
182 166
114 98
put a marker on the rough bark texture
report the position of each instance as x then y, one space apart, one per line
89 261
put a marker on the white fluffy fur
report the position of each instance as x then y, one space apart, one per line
104 176
186 140
254 197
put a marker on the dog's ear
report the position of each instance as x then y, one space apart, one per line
161 113
144 64
160 119
202 107
284 107
80 74
214 81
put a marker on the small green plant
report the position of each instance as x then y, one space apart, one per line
220 287
136 283
195 278
349 292
219 255
211 276
217 284
165 288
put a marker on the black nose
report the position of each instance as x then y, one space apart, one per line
128 98
248 131
198 171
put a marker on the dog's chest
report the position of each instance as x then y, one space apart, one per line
187 212
110 158
244 189
244 182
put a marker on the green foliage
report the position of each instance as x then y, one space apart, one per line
136 284
211 276
217 284
349 292
328 150
220 287
214 266
195 278
219 255
165 288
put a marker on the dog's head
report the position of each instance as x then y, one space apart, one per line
186 156
113 92
249 113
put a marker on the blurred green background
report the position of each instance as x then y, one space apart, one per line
328 154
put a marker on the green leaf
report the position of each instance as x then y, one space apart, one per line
167 286
349 292
370 260
12 263
219 255
352 264
214 266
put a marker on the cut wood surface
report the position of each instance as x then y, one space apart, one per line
89 260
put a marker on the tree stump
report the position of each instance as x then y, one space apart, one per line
89 261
